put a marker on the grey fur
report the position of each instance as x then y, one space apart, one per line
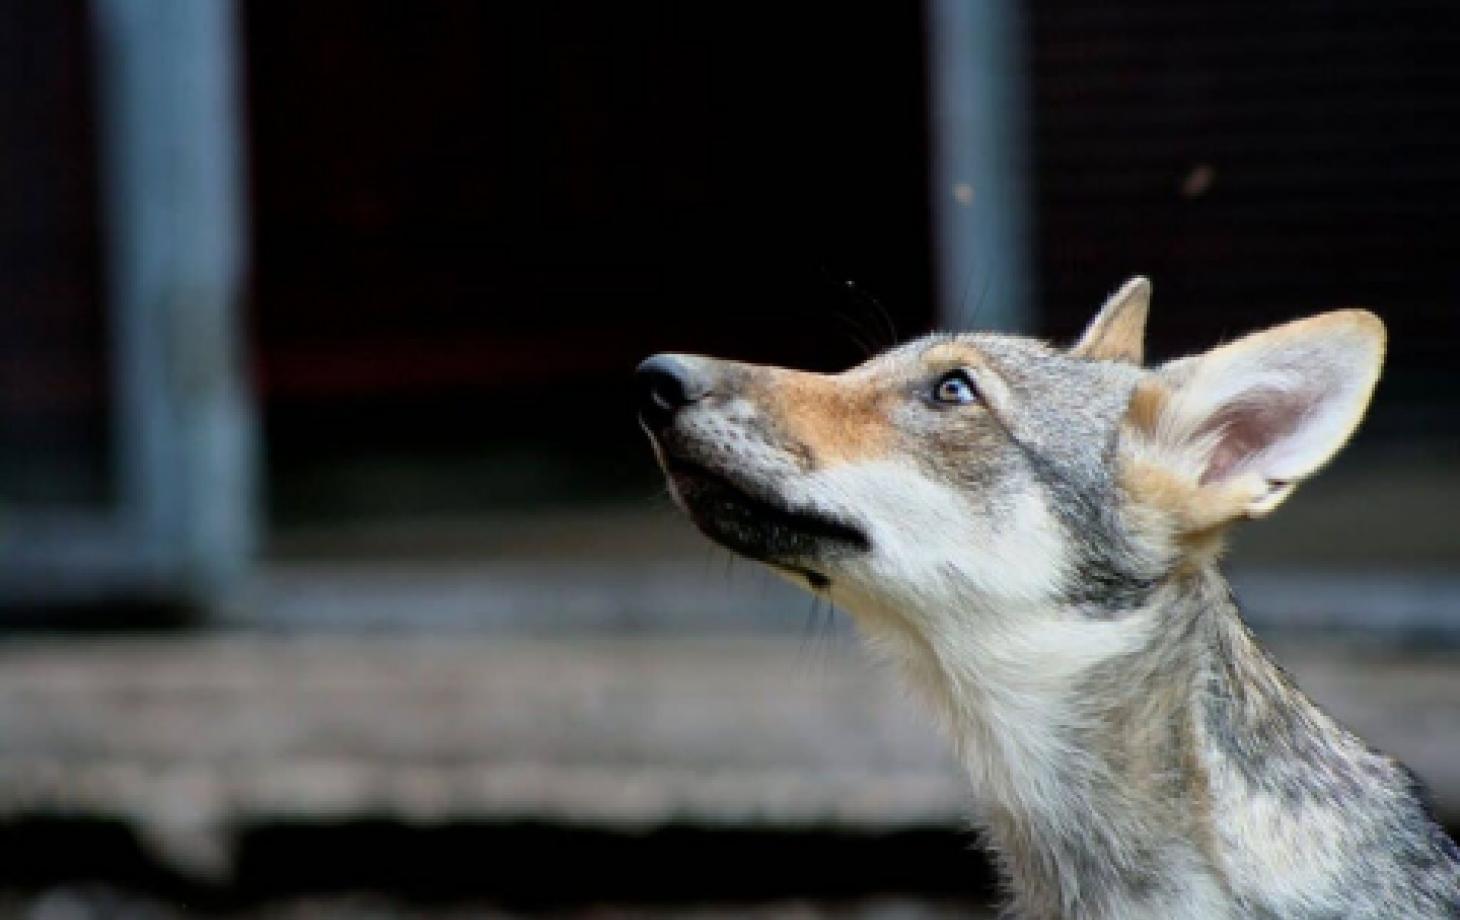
1192 769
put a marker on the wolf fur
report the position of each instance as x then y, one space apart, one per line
1040 563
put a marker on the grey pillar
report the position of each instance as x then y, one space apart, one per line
980 187
172 178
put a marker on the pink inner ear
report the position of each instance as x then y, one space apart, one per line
1250 426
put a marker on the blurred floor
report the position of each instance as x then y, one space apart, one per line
189 739
197 733
380 687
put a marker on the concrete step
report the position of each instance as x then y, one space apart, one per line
190 738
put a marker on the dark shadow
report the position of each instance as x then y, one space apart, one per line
523 866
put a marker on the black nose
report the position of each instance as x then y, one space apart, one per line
667 383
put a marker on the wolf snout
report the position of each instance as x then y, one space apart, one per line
668 383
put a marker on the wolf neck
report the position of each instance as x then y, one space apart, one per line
1096 749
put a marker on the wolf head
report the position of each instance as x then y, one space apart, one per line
1003 470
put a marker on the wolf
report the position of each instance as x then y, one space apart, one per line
1031 534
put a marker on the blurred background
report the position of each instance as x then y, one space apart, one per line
336 577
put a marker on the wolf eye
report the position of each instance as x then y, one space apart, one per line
955 388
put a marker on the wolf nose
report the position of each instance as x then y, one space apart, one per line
667 383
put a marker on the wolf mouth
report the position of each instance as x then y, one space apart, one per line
759 527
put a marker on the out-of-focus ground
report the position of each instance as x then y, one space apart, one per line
201 736
209 752
585 709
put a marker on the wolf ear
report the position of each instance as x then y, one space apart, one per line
1118 331
1244 423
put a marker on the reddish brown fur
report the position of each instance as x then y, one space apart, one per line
1147 403
838 420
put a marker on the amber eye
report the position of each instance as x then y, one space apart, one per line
955 388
